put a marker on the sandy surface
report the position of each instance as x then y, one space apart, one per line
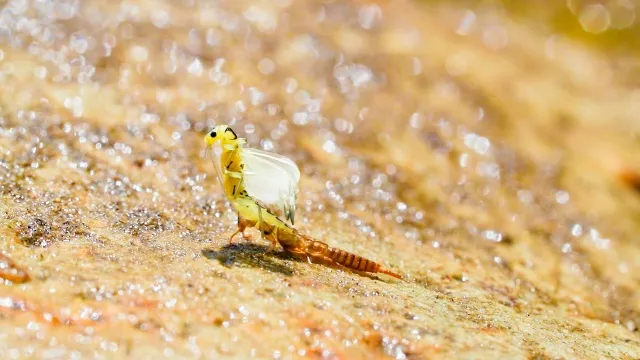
485 156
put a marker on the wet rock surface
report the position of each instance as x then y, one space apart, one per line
486 155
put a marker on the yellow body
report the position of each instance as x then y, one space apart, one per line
230 159
252 214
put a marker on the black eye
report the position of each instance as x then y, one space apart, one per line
212 134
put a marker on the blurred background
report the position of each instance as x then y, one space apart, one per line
486 150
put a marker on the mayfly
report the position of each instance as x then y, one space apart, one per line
262 187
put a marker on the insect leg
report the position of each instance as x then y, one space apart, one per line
243 224
259 226
233 174
234 234
274 239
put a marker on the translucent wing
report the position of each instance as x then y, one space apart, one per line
215 152
271 179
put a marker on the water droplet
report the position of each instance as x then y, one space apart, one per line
329 146
160 18
195 68
343 125
576 230
273 109
492 235
416 66
290 85
463 160
79 43
75 105
562 197
489 169
213 37
495 37
40 72
369 15
594 18
267 144
525 197
263 18
255 96
266 66
623 268
300 118
415 121
631 325
139 53
240 106
622 12
356 74
467 23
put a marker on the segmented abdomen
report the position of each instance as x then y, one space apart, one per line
316 250
352 261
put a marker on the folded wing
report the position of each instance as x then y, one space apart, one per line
272 179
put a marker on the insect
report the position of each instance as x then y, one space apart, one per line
263 187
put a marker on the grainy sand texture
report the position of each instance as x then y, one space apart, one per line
487 151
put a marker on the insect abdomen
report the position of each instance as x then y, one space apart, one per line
352 261
321 252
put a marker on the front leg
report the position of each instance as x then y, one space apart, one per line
233 174
242 226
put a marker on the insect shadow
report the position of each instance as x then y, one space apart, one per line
249 254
